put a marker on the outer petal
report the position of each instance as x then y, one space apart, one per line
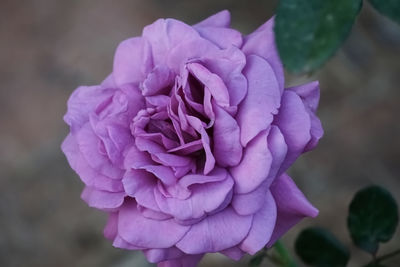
88 144
263 99
255 165
294 122
262 228
309 94
220 19
163 254
132 61
83 102
262 43
291 204
250 203
111 228
141 231
164 35
223 37
216 232
234 253
103 200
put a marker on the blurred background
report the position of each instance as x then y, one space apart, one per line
49 47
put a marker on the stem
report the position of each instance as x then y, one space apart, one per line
284 255
387 256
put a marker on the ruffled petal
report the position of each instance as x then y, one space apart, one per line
212 82
309 94
228 64
223 37
204 199
156 255
220 19
102 200
255 165
147 233
88 144
164 35
262 227
262 43
132 61
234 253
217 232
295 124
111 229
226 135
84 101
263 98
292 206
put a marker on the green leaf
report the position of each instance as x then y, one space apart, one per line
308 32
257 260
318 247
373 218
389 8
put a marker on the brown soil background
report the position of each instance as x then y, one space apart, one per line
49 47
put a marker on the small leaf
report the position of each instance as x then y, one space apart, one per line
373 218
389 8
257 260
318 247
308 32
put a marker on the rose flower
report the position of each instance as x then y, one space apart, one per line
185 145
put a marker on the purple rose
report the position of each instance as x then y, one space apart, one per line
186 143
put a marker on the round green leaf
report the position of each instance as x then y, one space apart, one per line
373 218
308 32
318 247
389 8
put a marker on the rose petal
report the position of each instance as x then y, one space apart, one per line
262 101
164 35
215 233
157 81
140 185
140 231
156 255
205 198
88 144
82 102
234 253
132 61
262 43
220 19
103 200
228 64
121 243
223 37
212 82
226 136
291 204
262 227
255 165
309 94
111 229
295 124
250 203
